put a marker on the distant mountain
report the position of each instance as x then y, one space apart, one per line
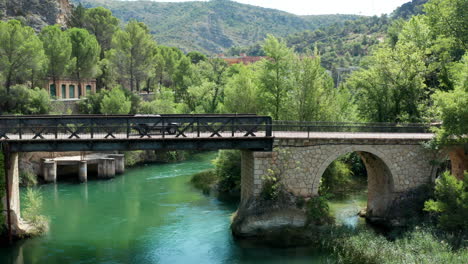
214 26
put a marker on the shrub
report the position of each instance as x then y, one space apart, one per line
27 178
318 211
451 202
272 187
204 180
115 102
336 178
92 103
228 169
32 210
364 246
132 158
163 103
23 100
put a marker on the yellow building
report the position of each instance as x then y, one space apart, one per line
69 88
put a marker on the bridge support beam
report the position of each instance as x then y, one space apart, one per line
49 170
119 162
18 226
83 171
106 168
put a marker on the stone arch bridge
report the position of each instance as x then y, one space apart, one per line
394 156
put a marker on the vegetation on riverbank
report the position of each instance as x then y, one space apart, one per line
224 178
417 245
31 212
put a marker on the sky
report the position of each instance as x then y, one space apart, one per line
318 7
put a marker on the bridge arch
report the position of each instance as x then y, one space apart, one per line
380 176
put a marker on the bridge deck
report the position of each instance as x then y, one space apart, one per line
104 133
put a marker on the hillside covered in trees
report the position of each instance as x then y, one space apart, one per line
214 26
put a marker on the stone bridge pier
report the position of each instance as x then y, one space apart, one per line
396 168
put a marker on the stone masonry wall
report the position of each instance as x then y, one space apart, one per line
395 166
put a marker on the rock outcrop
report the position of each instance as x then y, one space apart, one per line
36 13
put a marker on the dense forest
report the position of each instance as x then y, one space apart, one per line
212 27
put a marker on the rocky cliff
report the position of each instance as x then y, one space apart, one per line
36 13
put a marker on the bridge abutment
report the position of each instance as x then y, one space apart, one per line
18 226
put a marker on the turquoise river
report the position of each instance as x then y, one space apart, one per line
151 214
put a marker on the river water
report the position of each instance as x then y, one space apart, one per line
151 214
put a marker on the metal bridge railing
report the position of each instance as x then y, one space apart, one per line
132 127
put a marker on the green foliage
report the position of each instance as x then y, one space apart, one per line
102 24
448 18
311 90
163 103
195 57
336 178
27 178
57 48
131 54
77 17
451 202
391 88
363 246
318 211
450 107
21 53
271 186
85 53
115 102
92 103
25 101
275 82
241 94
132 158
228 170
205 180
33 203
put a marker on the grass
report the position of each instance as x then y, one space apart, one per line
205 180
32 212
363 246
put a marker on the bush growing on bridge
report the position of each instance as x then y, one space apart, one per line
451 202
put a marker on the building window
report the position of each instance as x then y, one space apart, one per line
52 91
64 91
72 91
88 90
